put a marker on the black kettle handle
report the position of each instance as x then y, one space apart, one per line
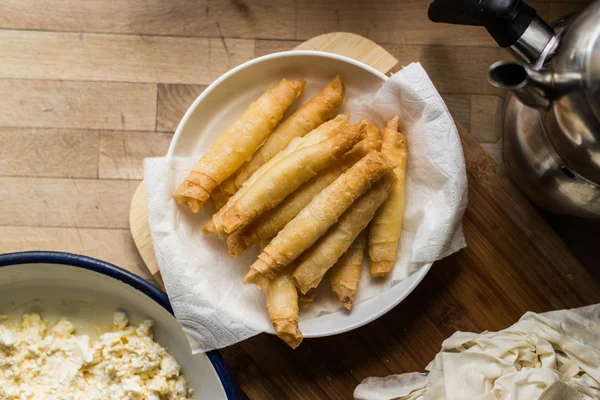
505 20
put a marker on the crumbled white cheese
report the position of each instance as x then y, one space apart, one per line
37 363
120 320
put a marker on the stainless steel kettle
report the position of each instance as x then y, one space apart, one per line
551 118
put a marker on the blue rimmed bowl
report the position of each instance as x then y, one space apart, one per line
82 286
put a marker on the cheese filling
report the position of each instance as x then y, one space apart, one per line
39 362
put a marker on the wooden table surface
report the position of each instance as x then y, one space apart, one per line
90 88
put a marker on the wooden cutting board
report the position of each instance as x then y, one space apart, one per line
514 263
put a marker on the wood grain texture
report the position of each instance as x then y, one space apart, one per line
547 262
580 235
122 153
126 58
453 69
263 47
382 23
140 231
173 102
485 123
247 375
353 355
274 360
460 107
386 21
73 153
495 151
354 46
83 203
82 105
456 69
112 245
210 18
39 152
389 22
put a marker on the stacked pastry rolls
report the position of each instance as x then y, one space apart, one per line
313 190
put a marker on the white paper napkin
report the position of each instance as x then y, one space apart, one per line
550 356
204 284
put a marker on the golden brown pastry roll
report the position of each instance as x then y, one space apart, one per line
223 192
317 217
372 141
282 304
270 223
239 141
345 274
386 227
318 110
287 175
317 135
316 261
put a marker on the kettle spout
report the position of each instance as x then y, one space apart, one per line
533 88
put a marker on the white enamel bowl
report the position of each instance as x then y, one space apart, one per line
90 290
227 97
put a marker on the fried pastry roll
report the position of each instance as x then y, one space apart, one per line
386 227
270 223
316 261
287 175
317 217
237 143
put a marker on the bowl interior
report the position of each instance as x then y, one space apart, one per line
228 96
90 297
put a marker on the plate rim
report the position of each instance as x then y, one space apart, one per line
124 276
258 60
423 270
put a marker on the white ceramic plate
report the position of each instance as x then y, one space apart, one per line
226 98
88 291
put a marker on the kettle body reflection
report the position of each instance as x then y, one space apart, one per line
551 117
